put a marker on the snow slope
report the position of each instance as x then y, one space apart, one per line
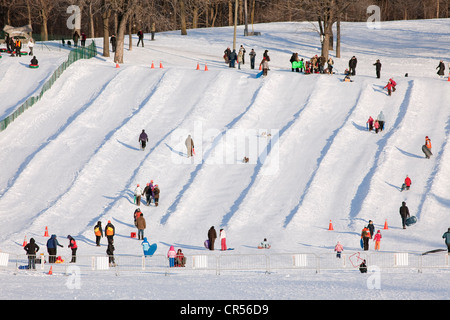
74 159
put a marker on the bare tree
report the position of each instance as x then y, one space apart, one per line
124 9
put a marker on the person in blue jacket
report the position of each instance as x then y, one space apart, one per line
52 245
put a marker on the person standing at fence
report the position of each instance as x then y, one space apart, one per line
98 231
446 236
73 246
52 245
223 240
31 249
212 236
171 254
110 252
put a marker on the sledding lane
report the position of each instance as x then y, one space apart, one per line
79 138
402 155
302 149
18 82
230 181
43 123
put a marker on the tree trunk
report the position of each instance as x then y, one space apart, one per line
338 37
105 18
183 18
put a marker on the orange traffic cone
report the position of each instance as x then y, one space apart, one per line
206 67
50 272
160 65
330 227
153 65
198 66
117 65
46 232
24 242
385 225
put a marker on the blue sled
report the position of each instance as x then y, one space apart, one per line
149 250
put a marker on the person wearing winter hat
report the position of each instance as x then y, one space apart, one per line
74 247
171 254
156 193
98 231
338 248
377 239
137 195
148 192
31 248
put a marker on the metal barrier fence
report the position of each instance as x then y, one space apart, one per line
74 55
217 263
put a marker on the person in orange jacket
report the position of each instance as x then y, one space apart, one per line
365 235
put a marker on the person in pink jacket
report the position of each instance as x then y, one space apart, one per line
171 255
377 239
338 248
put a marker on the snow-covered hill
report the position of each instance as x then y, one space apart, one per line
74 159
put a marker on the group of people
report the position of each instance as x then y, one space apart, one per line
378 124
150 192
32 249
176 258
212 236
232 57
314 65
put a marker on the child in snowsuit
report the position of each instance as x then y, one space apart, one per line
171 255
377 239
223 240
407 184
338 248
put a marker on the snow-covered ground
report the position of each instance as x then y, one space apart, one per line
73 159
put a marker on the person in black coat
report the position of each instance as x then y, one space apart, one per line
378 68
34 61
98 231
113 41
31 249
404 213
212 236
232 58
441 68
352 65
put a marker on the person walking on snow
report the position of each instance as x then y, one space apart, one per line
426 148
137 195
156 193
110 231
143 139
98 231
404 214
377 239
407 184
338 249
446 236
223 240
389 87
189 143
381 120
252 55
141 225
370 123
441 68
73 246
365 236
148 191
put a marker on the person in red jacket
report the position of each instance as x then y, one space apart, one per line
407 183
389 87
73 245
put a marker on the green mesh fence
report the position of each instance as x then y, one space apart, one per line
75 55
